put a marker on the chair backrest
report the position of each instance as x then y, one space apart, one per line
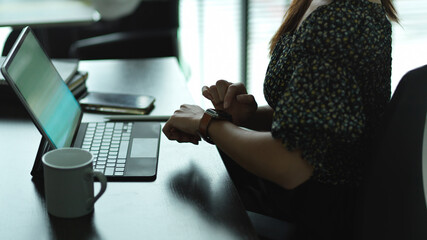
150 31
393 204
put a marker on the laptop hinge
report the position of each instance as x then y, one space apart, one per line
37 171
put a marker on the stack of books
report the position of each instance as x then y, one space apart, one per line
67 68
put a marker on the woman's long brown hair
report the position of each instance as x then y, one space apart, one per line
297 10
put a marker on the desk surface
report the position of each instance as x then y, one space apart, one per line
20 13
192 197
158 77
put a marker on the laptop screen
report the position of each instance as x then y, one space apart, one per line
42 90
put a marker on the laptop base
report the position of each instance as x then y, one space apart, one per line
44 147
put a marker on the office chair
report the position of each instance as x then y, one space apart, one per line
55 40
393 199
150 31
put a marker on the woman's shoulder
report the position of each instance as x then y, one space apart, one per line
354 7
351 13
342 23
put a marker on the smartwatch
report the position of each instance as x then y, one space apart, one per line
209 115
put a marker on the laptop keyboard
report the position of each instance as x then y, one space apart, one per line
109 143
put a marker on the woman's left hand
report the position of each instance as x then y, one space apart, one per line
184 124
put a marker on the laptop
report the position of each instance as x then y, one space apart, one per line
123 151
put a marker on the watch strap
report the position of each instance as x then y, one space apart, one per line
209 115
203 127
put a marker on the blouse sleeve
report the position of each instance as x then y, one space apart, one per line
322 104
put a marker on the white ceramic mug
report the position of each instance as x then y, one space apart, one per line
68 181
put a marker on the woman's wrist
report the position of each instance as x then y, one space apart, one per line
208 117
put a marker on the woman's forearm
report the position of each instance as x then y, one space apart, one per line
261 154
261 120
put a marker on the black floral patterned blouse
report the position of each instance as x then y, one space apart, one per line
328 83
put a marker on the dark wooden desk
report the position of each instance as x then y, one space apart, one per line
192 197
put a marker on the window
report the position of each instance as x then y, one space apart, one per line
409 38
211 42
264 18
229 39
216 45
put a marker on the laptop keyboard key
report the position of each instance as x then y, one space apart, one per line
109 171
123 150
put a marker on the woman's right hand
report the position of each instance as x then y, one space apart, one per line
232 98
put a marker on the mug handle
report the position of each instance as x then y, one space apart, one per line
103 180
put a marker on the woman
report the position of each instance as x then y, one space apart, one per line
327 84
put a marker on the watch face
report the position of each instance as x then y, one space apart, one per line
212 112
218 114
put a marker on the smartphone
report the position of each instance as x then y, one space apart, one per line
117 103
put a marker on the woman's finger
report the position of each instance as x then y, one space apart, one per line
214 93
222 86
232 91
245 98
206 93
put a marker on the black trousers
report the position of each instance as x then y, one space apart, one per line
319 211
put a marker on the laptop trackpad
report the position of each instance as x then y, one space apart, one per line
143 157
144 148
